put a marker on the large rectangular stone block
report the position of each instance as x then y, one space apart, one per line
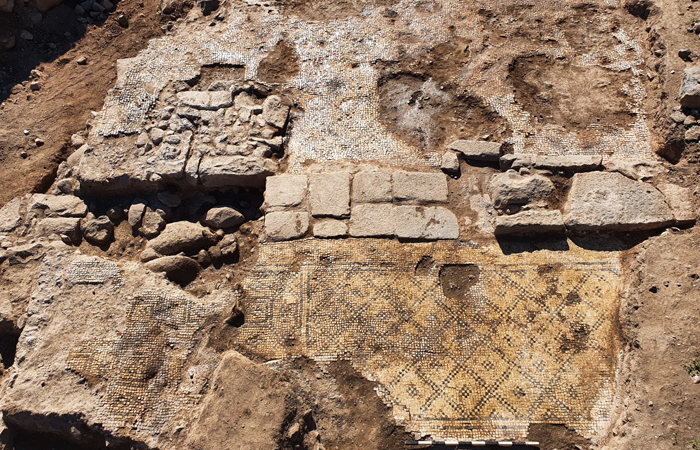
421 187
421 222
329 194
283 191
371 187
372 220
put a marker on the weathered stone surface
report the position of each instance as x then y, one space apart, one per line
372 220
601 201
422 187
692 134
152 223
286 225
283 191
329 194
419 222
244 171
680 200
178 268
228 245
98 230
530 222
477 150
210 100
637 169
450 162
372 187
11 215
58 205
510 189
275 111
566 163
61 226
182 237
223 217
136 210
690 89
330 228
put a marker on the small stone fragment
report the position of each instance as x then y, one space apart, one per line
275 111
81 60
136 210
122 21
228 246
77 141
692 134
152 223
690 89
26 35
450 162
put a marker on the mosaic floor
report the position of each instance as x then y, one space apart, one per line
519 339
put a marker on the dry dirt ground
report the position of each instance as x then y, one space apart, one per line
657 402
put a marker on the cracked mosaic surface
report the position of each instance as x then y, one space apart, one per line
532 339
337 83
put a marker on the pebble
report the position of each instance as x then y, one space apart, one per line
81 61
39 142
123 21
26 35
26 132
107 4
23 155
34 86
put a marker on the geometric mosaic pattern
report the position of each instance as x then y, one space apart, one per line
531 340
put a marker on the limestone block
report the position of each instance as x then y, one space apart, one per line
223 217
419 222
530 222
372 187
477 150
679 199
244 171
286 225
421 187
275 111
329 194
209 100
600 201
512 189
61 226
330 228
566 163
372 220
57 205
283 191
182 237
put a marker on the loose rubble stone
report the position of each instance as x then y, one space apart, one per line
692 134
26 35
372 187
275 111
678 116
58 205
530 222
77 141
178 268
418 222
283 191
510 189
11 215
329 194
169 199
136 210
636 169
566 163
450 162
330 228
286 225
182 237
422 187
372 220
207 100
600 201
152 223
98 231
7 42
62 226
477 150
690 89
223 217
228 246
679 199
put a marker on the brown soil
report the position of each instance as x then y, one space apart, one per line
556 437
553 91
68 91
328 10
280 65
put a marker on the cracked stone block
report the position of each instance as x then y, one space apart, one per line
477 150
603 201
208 100
243 171
62 226
567 163
422 187
275 111
371 187
329 194
330 228
511 189
58 205
679 199
283 191
372 220
530 222
690 89
286 225
422 222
